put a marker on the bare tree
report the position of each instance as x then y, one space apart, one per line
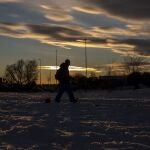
15 73
133 63
9 74
21 73
30 72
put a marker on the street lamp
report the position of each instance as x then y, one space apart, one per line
85 54
85 40
56 61
56 58
40 72
50 77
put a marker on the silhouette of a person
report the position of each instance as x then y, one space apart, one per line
64 82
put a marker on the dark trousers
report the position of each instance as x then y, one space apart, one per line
64 87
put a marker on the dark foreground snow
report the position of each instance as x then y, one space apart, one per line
97 122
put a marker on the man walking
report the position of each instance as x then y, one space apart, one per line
62 75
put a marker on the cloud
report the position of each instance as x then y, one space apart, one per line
58 31
87 9
67 36
33 11
131 46
141 29
58 17
56 13
20 12
128 9
56 35
11 1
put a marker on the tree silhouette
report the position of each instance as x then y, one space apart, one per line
132 63
30 72
22 73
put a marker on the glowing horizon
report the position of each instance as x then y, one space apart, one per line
71 68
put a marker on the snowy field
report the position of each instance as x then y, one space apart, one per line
102 120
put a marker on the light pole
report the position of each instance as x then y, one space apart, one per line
56 61
56 58
49 77
85 40
40 72
85 55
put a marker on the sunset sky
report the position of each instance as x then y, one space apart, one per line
32 29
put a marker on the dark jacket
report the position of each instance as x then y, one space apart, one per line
64 73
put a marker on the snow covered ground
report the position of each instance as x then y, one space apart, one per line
101 120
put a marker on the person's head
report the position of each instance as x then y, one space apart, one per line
67 62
